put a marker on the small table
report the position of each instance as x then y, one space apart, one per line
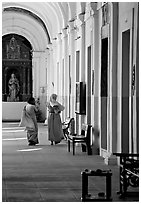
100 197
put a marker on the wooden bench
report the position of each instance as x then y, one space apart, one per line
129 172
84 138
66 126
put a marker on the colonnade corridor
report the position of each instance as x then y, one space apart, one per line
45 173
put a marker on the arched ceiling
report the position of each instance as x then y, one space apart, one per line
53 16
36 18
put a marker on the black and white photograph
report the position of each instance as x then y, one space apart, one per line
70 101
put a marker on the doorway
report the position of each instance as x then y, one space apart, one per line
77 80
125 91
104 92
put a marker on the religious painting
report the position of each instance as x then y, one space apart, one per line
80 106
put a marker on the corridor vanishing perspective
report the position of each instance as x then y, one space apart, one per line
87 53
46 173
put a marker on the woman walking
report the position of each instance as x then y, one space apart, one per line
30 122
55 132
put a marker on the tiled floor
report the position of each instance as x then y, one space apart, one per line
46 173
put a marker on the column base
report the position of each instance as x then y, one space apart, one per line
111 160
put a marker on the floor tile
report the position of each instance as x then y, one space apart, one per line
57 195
23 195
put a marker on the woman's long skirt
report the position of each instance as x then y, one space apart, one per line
55 132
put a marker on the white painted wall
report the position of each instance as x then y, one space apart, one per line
11 111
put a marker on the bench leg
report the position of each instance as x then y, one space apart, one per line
68 145
124 183
73 146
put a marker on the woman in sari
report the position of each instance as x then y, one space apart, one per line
55 132
30 122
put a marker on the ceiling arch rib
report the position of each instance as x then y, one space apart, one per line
56 17
39 10
65 11
50 13
72 10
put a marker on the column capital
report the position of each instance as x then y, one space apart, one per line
47 51
49 47
59 35
36 54
65 31
71 24
91 10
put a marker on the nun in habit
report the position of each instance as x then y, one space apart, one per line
55 131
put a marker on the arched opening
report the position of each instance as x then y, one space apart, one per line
16 68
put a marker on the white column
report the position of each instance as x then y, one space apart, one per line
73 71
54 66
66 74
47 60
82 61
37 67
50 72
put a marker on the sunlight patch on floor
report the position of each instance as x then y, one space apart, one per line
19 138
29 150
10 128
6 131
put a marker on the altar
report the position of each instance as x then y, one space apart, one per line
11 111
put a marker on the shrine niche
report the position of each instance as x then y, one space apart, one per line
16 68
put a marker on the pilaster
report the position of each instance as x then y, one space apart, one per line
50 71
82 57
82 71
59 66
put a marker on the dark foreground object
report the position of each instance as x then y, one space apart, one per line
86 197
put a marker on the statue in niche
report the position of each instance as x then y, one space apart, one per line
14 88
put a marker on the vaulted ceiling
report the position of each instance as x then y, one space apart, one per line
39 19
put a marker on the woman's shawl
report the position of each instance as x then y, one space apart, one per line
56 106
26 120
